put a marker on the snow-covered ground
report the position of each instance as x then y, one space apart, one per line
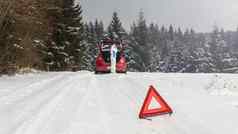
84 103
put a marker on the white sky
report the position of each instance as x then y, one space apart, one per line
198 14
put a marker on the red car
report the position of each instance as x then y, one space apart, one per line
103 61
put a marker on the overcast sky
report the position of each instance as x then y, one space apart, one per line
198 14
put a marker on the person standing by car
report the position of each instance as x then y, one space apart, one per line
113 58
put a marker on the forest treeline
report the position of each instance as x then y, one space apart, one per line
52 36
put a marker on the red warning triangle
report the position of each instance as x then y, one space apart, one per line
162 106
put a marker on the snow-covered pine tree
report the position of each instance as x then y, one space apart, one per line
99 30
75 35
134 61
66 50
24 31
203 56
219 50
171 33
91 35
115 29
172 52
154 44
94 32
56 57
139 33
235 41
235 44
7 40
164 49
191 45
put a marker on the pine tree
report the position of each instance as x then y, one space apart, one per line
154 44
134 61
7 40
66 49
75 29
94 32
235 43
24 31
216 48
171 33
191 46
179 34
163 43
93 35
99 30
55 55
115 29
139 32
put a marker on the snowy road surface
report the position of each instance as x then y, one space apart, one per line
84 103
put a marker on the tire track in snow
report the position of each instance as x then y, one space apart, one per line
27 109
104 115
18 112
23 110
89 103
30 90
121 116
66 105
28 86
52 119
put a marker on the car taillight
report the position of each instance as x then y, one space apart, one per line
100 58
122 60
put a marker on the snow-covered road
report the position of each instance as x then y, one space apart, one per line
84 103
